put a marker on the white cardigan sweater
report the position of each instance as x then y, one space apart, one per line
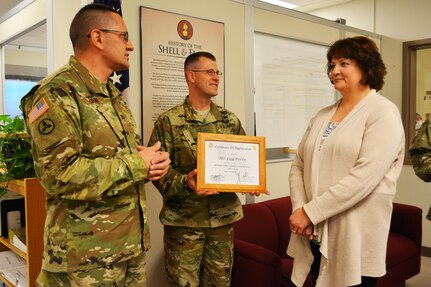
346 186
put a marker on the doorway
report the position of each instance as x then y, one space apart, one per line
416 87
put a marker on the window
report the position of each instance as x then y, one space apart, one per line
15 89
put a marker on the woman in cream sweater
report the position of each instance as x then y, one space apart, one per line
343 180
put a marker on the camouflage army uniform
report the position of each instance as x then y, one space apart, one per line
187 215
420 154
84 147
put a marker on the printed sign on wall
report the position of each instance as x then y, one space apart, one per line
166 41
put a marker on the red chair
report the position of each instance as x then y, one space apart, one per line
262 236
261 239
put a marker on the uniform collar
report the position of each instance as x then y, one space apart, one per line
190 113
91 82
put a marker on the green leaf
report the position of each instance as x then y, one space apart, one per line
16 160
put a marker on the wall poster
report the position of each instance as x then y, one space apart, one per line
166 40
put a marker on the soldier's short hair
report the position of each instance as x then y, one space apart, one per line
365 53
193 58
88 18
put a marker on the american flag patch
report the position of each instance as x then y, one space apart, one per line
39 109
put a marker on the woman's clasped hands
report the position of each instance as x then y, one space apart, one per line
300 223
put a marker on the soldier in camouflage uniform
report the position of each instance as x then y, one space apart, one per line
198 225
88 158
420 154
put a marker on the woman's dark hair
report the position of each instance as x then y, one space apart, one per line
364 51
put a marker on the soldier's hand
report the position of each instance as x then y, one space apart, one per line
159 166
157 162
257 193
206 192
191 183
191 179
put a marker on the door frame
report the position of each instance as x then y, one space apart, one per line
409 89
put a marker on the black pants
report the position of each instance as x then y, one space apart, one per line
365 281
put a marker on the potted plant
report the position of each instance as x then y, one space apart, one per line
16 161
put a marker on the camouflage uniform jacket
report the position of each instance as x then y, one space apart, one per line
420 151
84 148
177 130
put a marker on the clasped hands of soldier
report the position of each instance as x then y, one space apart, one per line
157 161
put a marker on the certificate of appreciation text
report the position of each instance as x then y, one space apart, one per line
231 163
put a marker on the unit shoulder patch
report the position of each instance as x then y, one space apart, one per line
46 126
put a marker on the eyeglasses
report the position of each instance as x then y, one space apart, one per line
210 72
125 35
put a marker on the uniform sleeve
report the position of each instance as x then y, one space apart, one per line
237 126
173 184
62 164
240 130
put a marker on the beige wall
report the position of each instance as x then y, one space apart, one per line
59 16
358 13
21 57
404 20
32 15
240 20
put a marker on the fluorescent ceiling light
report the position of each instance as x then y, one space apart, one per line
281 3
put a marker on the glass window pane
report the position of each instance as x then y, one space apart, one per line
14 91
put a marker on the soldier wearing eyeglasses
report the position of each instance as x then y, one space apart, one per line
89 160
198 225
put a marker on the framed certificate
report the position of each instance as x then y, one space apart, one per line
231 163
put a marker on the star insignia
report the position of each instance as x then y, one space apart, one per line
116 78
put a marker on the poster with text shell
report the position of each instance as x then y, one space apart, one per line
166 41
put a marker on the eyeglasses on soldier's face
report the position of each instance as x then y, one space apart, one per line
124 34
210 72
